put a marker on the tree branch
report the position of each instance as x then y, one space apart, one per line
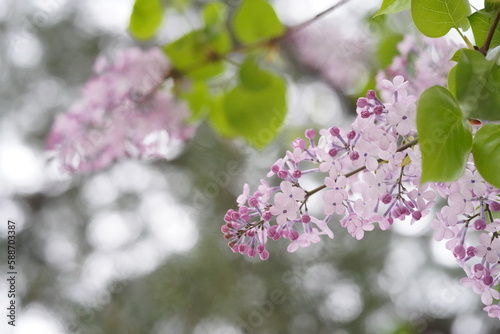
486 46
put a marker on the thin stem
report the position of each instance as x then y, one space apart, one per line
301 26
486 46
360 169
466 40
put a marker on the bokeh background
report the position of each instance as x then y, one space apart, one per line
137 248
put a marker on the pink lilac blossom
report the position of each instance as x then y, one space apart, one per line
431 66
468 226
348 47
383 168
123 112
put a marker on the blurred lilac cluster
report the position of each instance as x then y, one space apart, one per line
124 112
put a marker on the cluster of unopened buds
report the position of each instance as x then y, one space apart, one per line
371 177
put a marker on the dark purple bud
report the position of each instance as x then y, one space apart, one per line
235 216
282 174
371 94
243 249
378 110
470 251
416 215
297 173
361 103
480 224
250 233
333 152
494 206
459 251
305 219
310 133
252 252
264 255
351 135
275 169
267 216
477 267
294 235
252 201
354 155
386 198
487 280
334 131
365 113
260 248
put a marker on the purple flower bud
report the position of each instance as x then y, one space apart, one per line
487 280
297 173
459 251
480 224
267 216
477 267
282 174
252 252
334 131
416 215
252 201
378 110
310 133
354 155
305 219
250 233
333 152
494 206
470 251
261 248
365 113
275 169
264 255
243 249
224 229
235 216
361 103
386 198
294 235
351 135
371 94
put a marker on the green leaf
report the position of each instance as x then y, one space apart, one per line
480 23
256 20
214 13
252 77
146 18
477 83
491 6
192 54
445 137
435 18
452 79
255 114
198 98
218 118
486 152
393 6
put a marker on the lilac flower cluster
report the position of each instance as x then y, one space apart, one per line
470 228
371 176
123 112
423 61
